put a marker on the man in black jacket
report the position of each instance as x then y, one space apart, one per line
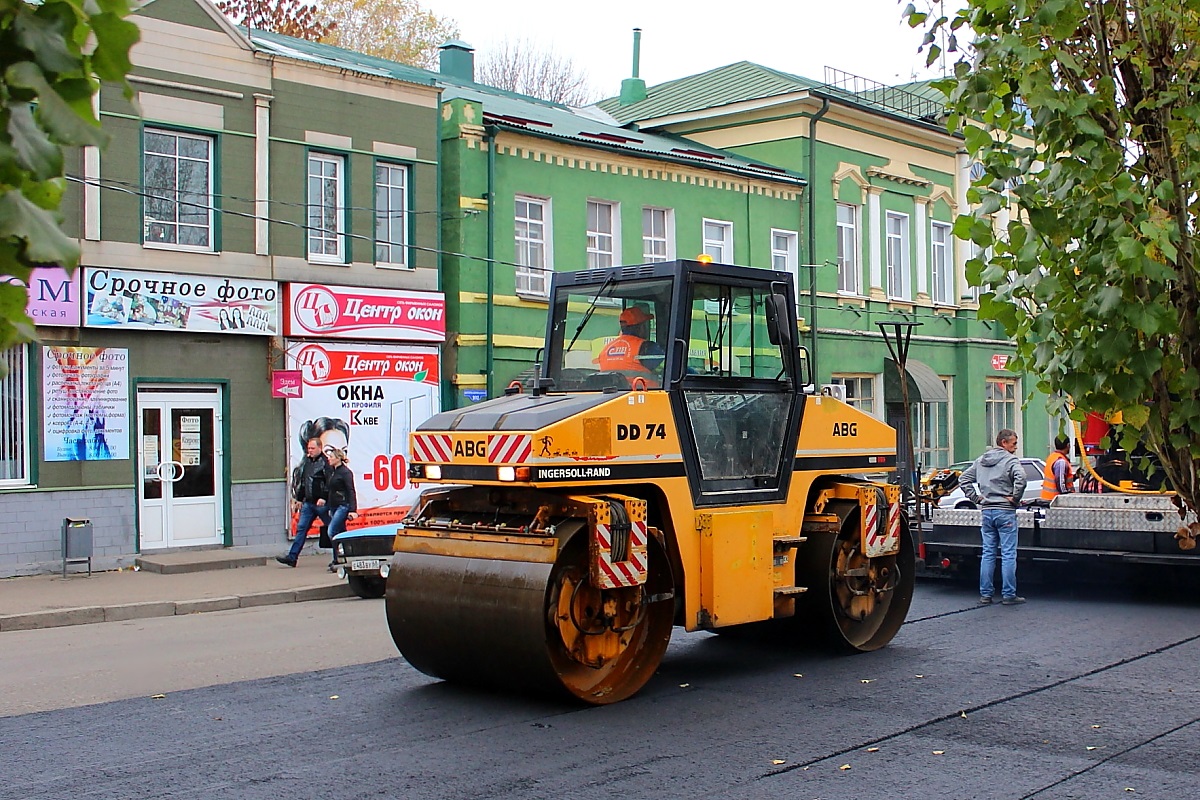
308 494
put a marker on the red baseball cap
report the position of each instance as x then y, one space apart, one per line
635 315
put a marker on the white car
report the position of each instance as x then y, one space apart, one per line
1034 469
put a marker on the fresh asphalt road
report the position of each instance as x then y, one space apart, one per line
1081 694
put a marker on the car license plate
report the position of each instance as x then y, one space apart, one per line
366 563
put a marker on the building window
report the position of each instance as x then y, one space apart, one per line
532 218
657 225
943 264
849 271
391 215
601 239
860 391
718 240
899 281
931 422
326 207
178 184
14 417
783 255
1000 409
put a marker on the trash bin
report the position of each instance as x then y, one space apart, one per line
76 543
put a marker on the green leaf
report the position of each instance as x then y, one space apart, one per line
114 38
45 243
34 150
1137 415
46 39
63 123
421 376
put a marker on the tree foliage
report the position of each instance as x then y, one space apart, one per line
52 56
1085 115
521 66
398 30
289 17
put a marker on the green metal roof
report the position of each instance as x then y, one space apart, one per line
745 81
722 86
330 56
530 115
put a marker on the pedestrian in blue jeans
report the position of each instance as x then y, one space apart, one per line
342 502
995 483
308 497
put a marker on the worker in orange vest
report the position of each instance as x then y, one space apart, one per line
1057 476
633 352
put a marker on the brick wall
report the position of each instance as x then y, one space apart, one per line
31 525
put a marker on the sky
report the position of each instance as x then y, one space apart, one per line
864 37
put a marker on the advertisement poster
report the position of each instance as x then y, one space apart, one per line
161 301
364 399
85 396
53 297
347 312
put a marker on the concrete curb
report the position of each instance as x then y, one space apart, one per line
87 615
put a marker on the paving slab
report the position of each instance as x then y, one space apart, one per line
41 601
199 561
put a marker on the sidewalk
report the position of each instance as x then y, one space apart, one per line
182 583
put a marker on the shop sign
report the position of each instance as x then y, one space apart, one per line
365 399
348 312
999 361
287 383
163 301
85 403
53 296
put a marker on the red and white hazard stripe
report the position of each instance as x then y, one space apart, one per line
434 447
631 571
509 448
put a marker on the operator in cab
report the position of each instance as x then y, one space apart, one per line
634 353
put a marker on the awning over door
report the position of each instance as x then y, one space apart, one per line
924 385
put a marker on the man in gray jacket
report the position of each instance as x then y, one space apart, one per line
995 483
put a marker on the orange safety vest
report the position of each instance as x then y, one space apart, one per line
621 354
1049 484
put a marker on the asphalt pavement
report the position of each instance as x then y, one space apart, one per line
165 585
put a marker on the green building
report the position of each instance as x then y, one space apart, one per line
530 187
885 182
247 176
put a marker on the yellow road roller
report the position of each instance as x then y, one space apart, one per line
670 466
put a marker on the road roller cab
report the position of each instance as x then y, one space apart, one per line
668 467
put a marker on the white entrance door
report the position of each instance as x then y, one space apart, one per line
180 464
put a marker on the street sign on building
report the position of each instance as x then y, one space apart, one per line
999 361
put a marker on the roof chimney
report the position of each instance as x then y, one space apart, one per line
633 89
457 60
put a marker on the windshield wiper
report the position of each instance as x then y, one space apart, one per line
588 314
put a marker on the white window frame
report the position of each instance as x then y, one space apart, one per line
921 416
14 417
532 279
849 268
786 258
174 194
855 382
603 246
392 219
1012 414
317 207
721 249
942 263
650 238
899 271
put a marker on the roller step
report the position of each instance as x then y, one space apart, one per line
790 590
789 541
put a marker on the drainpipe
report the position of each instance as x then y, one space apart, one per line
490 132
812 233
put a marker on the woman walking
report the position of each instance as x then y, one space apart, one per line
341 501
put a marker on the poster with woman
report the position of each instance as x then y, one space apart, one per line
364 399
